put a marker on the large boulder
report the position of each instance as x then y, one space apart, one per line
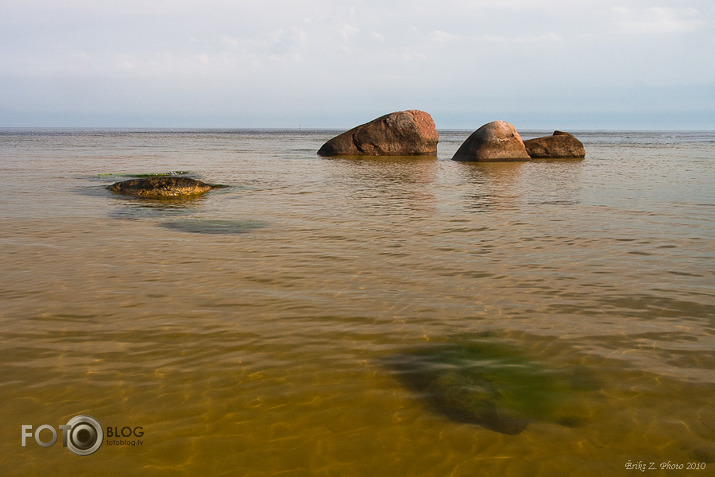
161 187
560 145
403 133
495 141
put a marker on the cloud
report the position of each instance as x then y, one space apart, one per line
348 31
522 38
291 41
439 36
443 36
377 36
657 20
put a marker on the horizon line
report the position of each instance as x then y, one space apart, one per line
318 128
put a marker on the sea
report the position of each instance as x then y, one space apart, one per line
405 316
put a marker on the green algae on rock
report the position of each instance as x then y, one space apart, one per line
490 384
161 187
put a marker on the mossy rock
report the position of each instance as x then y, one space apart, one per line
158 187
493 385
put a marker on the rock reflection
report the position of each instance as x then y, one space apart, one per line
497 184
394 182
156 208
554 182
509 185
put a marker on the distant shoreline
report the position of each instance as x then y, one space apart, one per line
129 129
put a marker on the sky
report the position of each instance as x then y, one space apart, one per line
556 64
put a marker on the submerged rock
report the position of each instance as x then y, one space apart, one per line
403 133
161 187
495 141
215 226
489 384
560 145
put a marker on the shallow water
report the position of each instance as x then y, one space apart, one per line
250 331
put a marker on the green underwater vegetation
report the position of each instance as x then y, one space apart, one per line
492 384
214 226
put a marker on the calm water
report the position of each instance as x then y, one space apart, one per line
404 317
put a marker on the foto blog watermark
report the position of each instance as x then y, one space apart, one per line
83 435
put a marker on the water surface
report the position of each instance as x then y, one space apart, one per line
254 331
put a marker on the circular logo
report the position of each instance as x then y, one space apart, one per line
85 435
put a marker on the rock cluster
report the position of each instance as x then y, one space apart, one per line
499 141
402 133
413 132
161 187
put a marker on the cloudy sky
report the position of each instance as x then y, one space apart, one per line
578 64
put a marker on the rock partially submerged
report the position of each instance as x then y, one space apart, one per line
403 133
561 145
161 187
495 141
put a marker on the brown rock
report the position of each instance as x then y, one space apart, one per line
495 141
560 145
403 133
160 187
